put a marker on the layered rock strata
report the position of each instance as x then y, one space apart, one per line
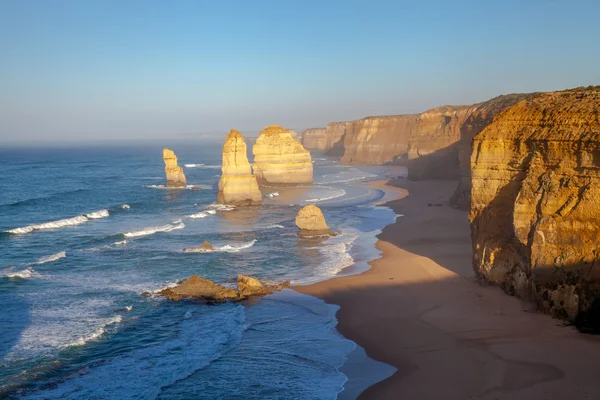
329 139
311 222
280 159
196 287
378 140
535 202
478 117
175 175
237 184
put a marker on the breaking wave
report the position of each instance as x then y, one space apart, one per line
51 258
97 333
336 194
189 187
23 274
154 229
97 214
80 219
220 207
224 249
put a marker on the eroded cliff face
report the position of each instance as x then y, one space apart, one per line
477 118
175 175
281 159
535 201
378 140
314 139
433 143
237 184
329 139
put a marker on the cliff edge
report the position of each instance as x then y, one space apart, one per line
535 201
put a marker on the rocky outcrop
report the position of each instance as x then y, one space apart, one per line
175 175
535 202
196 287
478 117
280 159
206 246
311 222
237 184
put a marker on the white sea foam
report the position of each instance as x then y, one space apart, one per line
50 225
97 214
154 229
275 226
125 206
189 187
271 195
155 366
199 215
336 193
97 333
211 212
51 258
193 165
120 243
23 274
228 248
80 219
220 207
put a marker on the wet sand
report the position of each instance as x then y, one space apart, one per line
420 309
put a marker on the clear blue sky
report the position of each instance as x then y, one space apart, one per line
99 70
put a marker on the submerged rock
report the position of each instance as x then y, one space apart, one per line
175 175
281 159
206 246
237 184
311 222
196 287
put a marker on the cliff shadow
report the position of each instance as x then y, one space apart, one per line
475 340
337 149
440 164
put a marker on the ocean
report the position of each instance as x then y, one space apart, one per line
89 234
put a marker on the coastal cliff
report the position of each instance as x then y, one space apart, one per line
378 140
535 202
329 139
281 159
237 184
175 175
433 143
478 117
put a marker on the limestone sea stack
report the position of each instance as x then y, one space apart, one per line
281 159
311 222
237 184
535 202
175 175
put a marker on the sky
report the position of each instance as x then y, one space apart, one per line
147 70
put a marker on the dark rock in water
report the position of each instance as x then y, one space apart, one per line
196 287
249 286
206 246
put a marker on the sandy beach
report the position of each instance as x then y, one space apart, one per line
420 309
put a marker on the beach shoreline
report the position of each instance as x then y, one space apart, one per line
420 309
